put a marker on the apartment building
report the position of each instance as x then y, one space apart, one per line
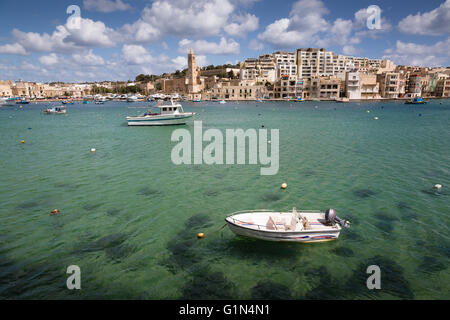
237 90
262 69
6 88
353 85
327 88
370 88
414 86
443 88
288 87
390 85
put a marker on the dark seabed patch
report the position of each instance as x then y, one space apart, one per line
207 285
113 211
120 252
327 288
211 193
392 280
183 247
430 265
350 235
92 206
343 252
385 226
364 193
268 290
28 205
403 206
382 216
146 191
110 241
271 197
67 186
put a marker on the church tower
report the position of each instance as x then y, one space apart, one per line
192 77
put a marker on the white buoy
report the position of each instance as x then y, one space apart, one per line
376 118
284 186
93 150
438 187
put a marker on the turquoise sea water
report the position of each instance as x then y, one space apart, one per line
129 217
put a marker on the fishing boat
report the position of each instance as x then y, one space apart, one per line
222 102
417 100
22 101
68 102
132 99
56 110
168 115
197 100
295 226
7 102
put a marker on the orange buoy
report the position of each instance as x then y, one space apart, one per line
201 235
22 142
54 212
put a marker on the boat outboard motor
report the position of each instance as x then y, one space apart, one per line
331 218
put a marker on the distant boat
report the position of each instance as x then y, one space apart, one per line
86 102
222 102
300 99
197 100
68 102
7 102
23 101
168 115
132 99
417 100
56 110
305 226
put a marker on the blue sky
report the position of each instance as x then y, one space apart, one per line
119 39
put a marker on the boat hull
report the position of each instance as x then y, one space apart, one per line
301 237
158 121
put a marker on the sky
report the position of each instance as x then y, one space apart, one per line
113 40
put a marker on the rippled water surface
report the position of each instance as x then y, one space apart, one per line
129 217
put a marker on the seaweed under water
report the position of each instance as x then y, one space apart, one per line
268 290
364 193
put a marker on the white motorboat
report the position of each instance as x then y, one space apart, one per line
304 226
132 99
168 115
56 110
222 102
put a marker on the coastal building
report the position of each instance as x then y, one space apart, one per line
370 88
192 85
414 86
326 88
288 87
443 88
6 88
237 90
353 85
389 85
262 69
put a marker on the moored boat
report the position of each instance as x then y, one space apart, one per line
55 110
172 114
304 226
417 100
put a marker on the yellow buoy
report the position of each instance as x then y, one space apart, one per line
22 142
284 186
200 235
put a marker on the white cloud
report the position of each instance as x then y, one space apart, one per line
242 24
435 22
49 60
349 50
301 28
140 32
188 18
88 58
105 5
136 55
437 54
205 47
255 45
15 48
66 39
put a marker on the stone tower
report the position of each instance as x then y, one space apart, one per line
192 78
